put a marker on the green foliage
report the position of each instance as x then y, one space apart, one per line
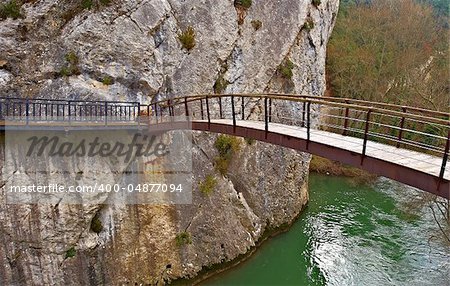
394 54
107 80
250 141
243 3
220 85
10 10
187 38
64 71
87 4
379 52
207 186
96 224
285 69
257 24
309 24
226 146
71 252
71 58
316 3
71 65
183 238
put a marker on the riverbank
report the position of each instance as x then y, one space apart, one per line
216 269
325 166
318 165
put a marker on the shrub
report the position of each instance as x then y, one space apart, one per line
187 38
243 3
183 238
285 69
96 224
220 85
226 146
107 80
71 58
309 24
71 66
221 165
207 186
87 4
71 252
257 24
316 3
250 141
10 10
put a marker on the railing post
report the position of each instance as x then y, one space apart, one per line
106 113
186 108
201 109
156 112
207 112
242 108
444 161
347 114
308 124
233 113
138 114
171 110
266 117
220 107
366 135
402 124
27 108
168 106
303 113
68 111
270 109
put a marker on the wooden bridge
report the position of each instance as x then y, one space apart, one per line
406 144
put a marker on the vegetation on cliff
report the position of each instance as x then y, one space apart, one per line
226 147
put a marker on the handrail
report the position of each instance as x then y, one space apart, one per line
390 124
321 100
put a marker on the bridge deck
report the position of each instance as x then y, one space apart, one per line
414 160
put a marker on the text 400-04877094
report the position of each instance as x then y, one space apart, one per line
100 188
136 188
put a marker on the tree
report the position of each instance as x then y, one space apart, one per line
390 51
394 51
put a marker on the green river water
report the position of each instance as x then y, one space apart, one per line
350 235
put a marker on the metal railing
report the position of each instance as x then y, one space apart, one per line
421 130
38 110
417 129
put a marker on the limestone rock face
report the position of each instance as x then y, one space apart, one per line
135 44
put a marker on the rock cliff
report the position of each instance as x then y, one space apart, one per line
131 50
